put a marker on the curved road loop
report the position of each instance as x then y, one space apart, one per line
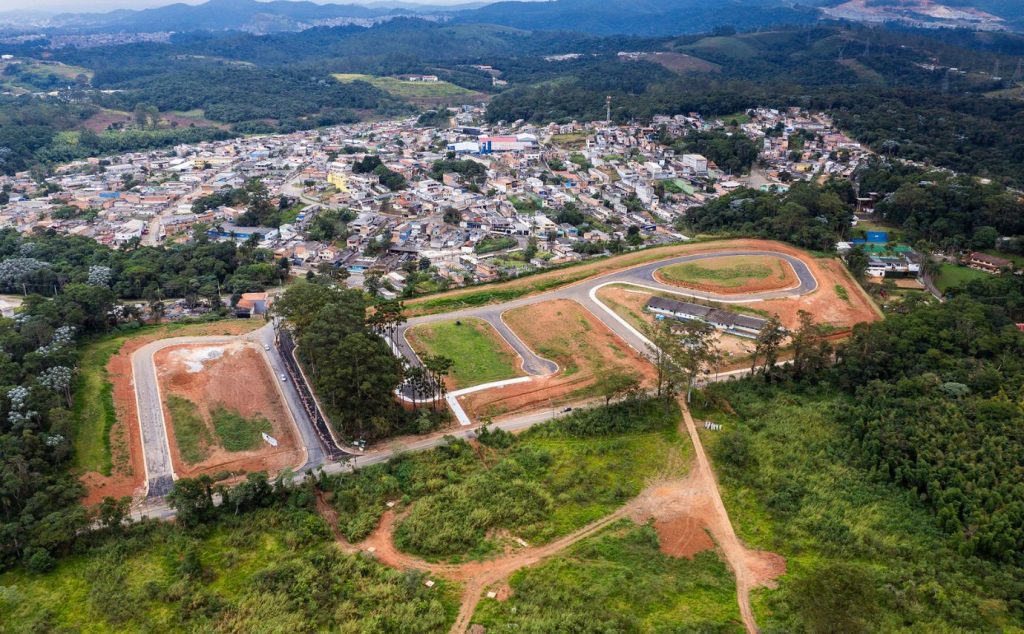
642 276
159 470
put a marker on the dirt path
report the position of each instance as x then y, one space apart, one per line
684 511
752 568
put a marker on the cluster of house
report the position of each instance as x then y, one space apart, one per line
503 221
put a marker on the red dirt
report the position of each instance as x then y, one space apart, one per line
125 435
682 536
685 511
783 277
241 381
824 303
585 348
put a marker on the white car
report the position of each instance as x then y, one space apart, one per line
266 346
284 378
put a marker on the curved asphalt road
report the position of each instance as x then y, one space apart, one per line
159 470
642 275
155 445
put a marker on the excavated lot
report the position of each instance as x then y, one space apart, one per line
236 377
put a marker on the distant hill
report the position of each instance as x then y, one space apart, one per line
640 17
223 15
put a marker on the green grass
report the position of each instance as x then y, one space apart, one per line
842 293
952 275
618 581
730 47
739 117
190 430
237 433
474 347
407 89
544 483
247 580
727 277
854 546
93 413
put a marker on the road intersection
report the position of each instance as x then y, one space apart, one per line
159 468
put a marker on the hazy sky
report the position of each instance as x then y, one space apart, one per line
84 6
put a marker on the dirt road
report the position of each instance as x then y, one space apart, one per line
694 501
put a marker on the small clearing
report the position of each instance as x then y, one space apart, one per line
479 354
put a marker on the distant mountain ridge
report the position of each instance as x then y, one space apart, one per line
640 17
231 15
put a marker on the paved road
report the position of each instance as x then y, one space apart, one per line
155 444
157 453
581 292
157 508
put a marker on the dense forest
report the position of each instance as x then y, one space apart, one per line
809 216
946 210
890 480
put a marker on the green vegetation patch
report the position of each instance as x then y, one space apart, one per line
190 430
953 275
478 354
618 581
236 432
726 276
861 554
492 244
94 414
405 89
842 293
263 571
547 482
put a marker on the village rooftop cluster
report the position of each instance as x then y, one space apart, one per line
541 196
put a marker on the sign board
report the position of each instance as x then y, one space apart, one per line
270 440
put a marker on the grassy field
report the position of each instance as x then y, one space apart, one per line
733 47
951 275
726 272
479 355
237 433
861 555
190 430
93 412
408 89
571 140
544 483
618 581
263 571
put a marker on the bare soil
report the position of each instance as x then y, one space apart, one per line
578 342
125 435
240 380
687 513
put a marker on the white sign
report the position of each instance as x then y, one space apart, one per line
270 440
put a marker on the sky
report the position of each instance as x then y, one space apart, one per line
89 6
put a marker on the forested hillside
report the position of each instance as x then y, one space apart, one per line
892 481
